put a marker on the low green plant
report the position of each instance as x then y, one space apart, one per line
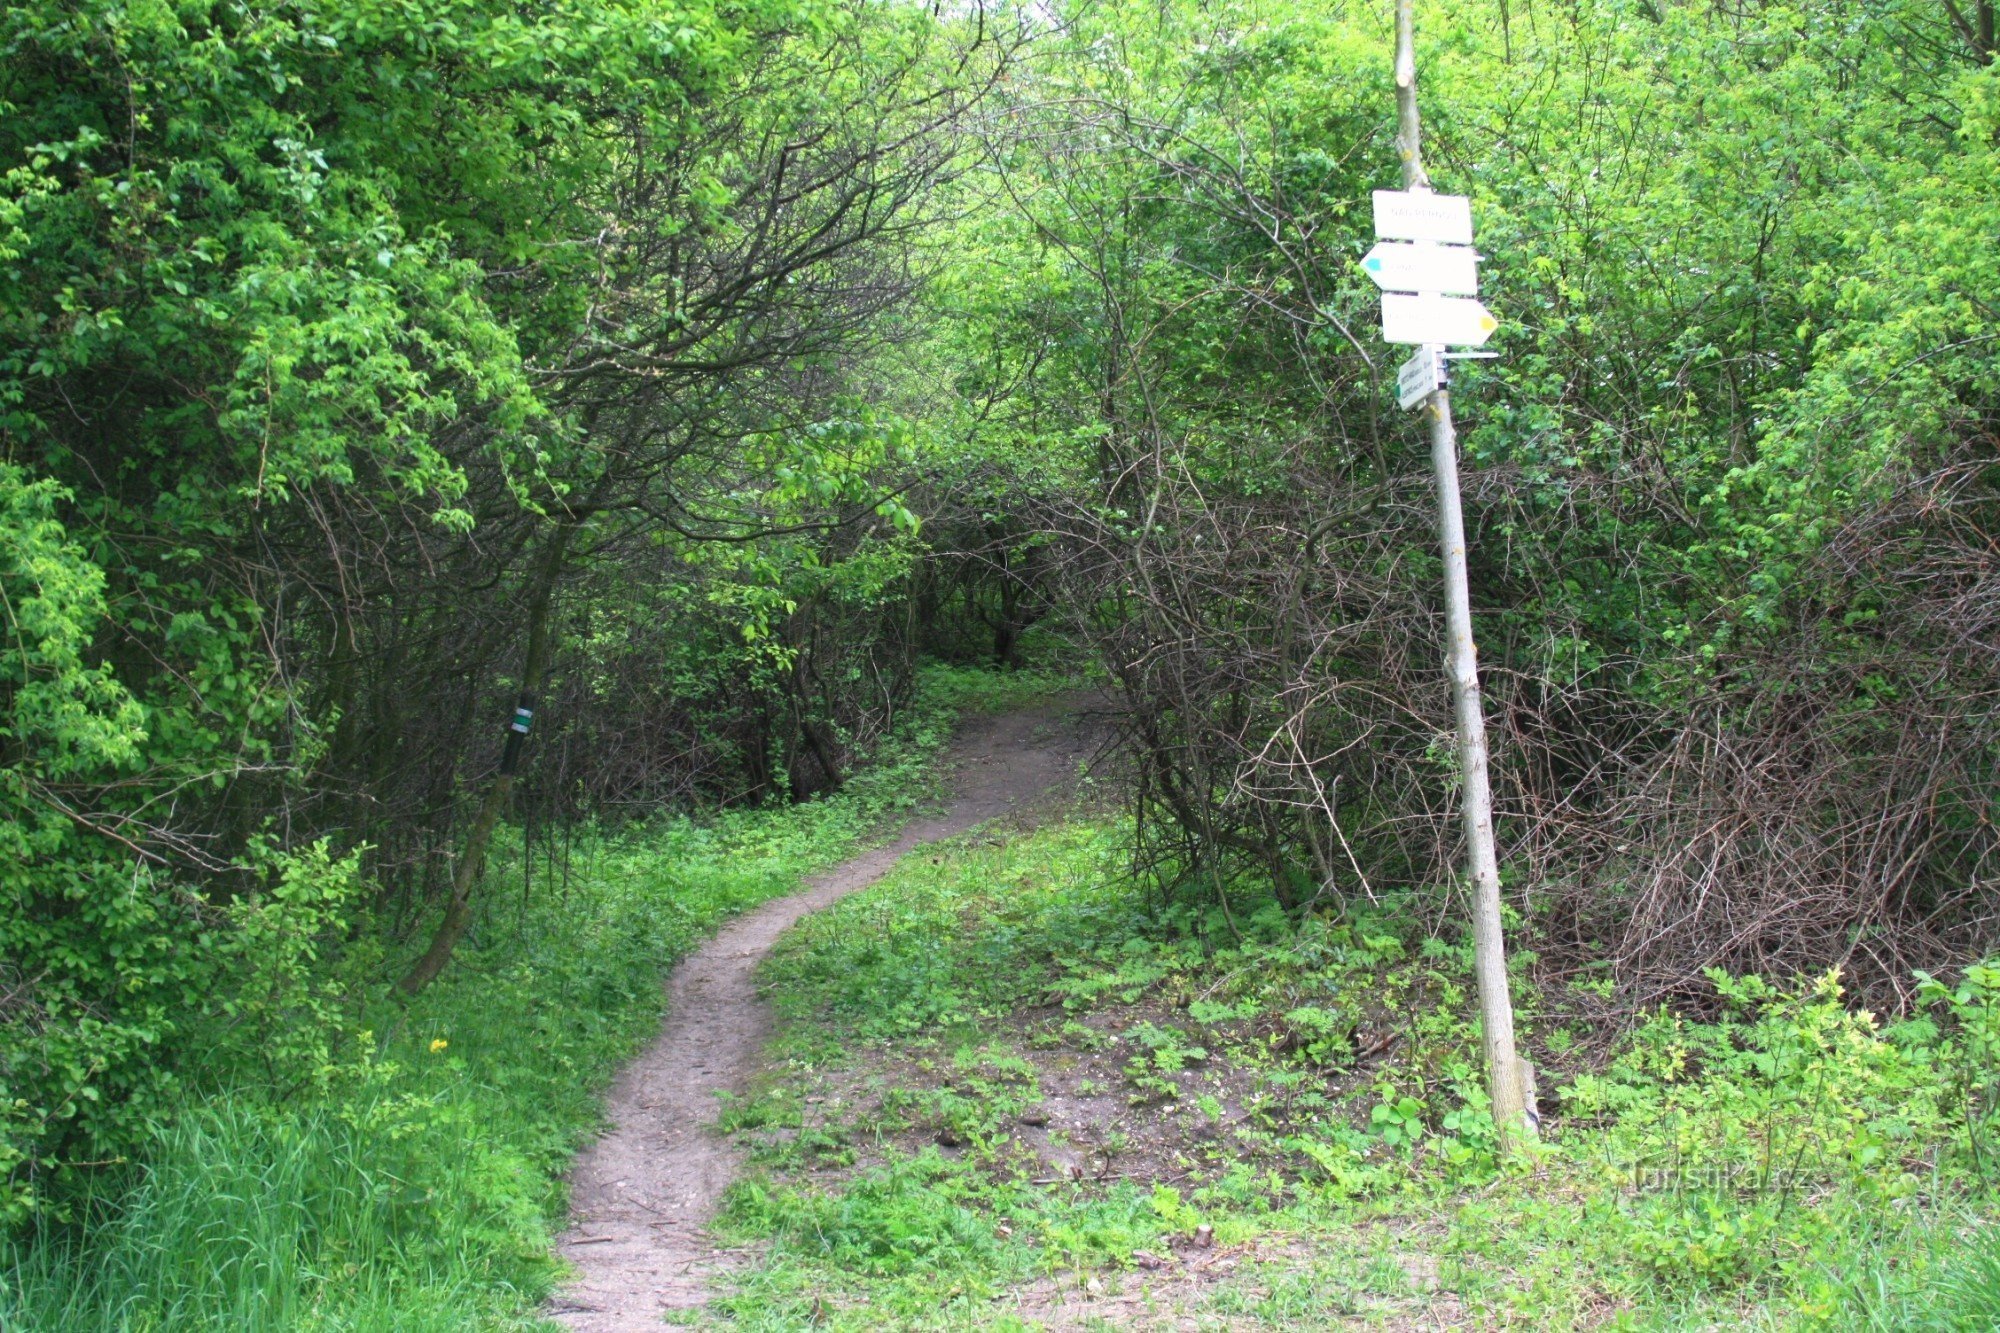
1790 1091
1400 1122
1971 1055
349 1162
909 1216
1719 1172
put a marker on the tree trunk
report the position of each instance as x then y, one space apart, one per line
478 838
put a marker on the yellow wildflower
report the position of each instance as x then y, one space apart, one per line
439 1045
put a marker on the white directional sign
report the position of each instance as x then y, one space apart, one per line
1452 269
1451 321
1420 377
1419 215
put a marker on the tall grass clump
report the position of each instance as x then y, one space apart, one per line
246 1215
401 1169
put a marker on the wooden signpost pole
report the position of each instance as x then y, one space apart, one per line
1504 1072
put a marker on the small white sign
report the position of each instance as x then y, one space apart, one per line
1421 267
1419 215
1451 321
1420 377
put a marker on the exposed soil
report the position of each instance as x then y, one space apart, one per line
1273 1281
643 1194
1080 1119
1081 1116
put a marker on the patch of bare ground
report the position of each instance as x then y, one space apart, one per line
1274 1281
1058 1098
1097 1108
1385 1274
643 1194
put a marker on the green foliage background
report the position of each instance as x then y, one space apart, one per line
698 367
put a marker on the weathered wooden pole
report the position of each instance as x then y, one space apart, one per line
1504 1074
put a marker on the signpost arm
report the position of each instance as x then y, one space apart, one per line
1496 1006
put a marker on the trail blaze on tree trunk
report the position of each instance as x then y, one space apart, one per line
478 838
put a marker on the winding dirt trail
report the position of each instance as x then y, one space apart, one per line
643 1194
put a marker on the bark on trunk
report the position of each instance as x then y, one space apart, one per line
478 838
1504 1071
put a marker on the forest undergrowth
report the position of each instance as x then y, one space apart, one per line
1018 1089
417 1184
480 483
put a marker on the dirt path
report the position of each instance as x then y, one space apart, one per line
642 1195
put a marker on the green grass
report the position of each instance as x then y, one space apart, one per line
420 1190
1937 1278
959 991
351 1216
